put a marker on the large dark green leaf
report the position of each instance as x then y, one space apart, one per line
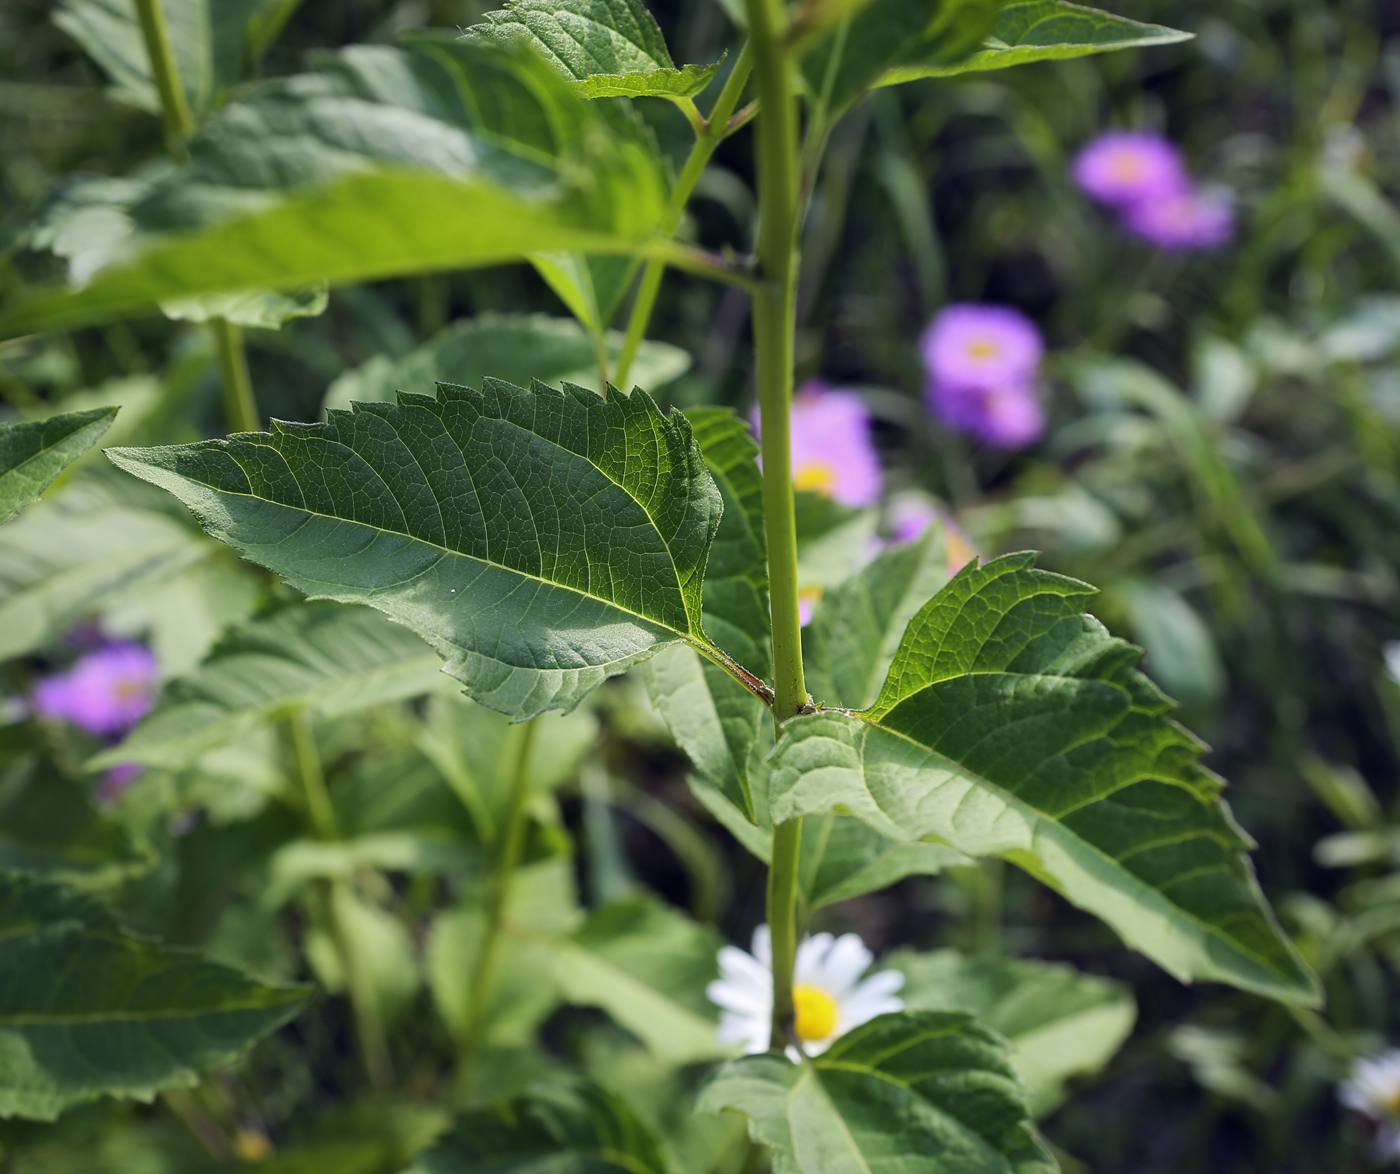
1060 1023
1011 724
1042 30
561 1128
540 540
607 48
87 1011
33 453
383 162
321 657
917 1091
516 348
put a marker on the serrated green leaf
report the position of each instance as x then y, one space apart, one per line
87 1011
324 658
1043 30
607 48
577 1128
474 156
1011 724
540 540
923 1090
1060 1022
33 453
848 646
77 553
515 348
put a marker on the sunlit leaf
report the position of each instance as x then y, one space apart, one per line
33 453
87 1011
917 1090
1011 724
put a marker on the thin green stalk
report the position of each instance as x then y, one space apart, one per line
369 1028
774 323
509 851
174 107
240 408
715 129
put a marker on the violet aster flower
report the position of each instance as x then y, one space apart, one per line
832 453
982 363
1009 416
1189 219
106 691
1123 168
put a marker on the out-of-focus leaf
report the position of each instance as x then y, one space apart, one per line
264 310
1181 652
87 1011
541 541
320 657
917 1090
565 1129
1012 725
474 157
607 48
1042 30
381 946
1060 1023
294 864
33 453
77 553
515 348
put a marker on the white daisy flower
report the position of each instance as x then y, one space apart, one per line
826 988
1373 1090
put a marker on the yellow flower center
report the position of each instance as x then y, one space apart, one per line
817 1012
818 476
1126 167
981 348
125 687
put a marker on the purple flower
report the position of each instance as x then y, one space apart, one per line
106 691
807 600
1190 219
982 363
1123 168
832 453
116 780
909 518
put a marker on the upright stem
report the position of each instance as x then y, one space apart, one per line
716 128
774 314
509 851
240 408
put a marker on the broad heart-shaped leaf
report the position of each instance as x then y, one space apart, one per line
473 156
540 540
325 658
1011 724
1043 30
33 453
574 1128
912 1091
87 1011
607 48
516 348
1060 1023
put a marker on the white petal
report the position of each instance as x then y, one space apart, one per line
749 1030
885 982
763 946
863 1010
743 969
845 962
738 997
811 955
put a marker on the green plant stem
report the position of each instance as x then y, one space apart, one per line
240 408
174 106
713 132
509 851
374 1046
774 323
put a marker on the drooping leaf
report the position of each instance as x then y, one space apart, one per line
607 48
473 156
33 453
540 540
1060 1022
77 553
1011 724
1043 30
320 657
592 287
87 1011
577 1128
263 309
516 348
914 1090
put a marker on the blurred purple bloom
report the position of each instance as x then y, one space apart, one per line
1124 168
106 691
116 780
1185 220
909 518
807 600
982 363
832 453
